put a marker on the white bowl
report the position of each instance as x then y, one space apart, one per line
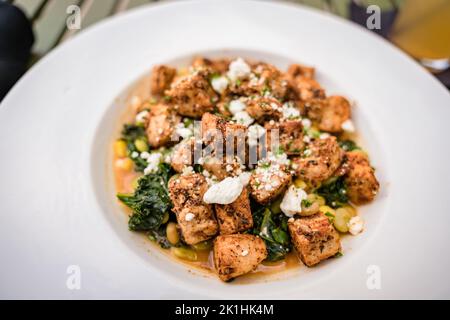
58 205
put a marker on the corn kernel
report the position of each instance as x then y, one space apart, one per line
120 149
299 183
125 164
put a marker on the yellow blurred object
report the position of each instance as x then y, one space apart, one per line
125 164
299 183
327 209
120 148
422 29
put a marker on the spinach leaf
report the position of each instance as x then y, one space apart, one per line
273 230
159 236
150 200
348 145
130 133
334 191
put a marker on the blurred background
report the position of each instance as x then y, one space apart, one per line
29 29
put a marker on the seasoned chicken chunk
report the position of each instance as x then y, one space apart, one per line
296 71
183 155
319 161
335 112
195 218
362 185
192 95
223 167
235 217
268 181
308 89
314 238
290 136
216 65
161 124
225 138
161 78
237 254
263 109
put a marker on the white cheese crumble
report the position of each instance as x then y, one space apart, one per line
356 225
292 201
238 69
134 154
219 84
348 126
142 116
183 131
254 133
145 155
153 160
306 123
245 178
244 253
187 170
189 216
236 106
224 192
324 135
243 118
290 111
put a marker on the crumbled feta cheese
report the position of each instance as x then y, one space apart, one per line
219 84
145 155
187 170
224 192
254 133
324 135
290 111
244 118
236 106
306 123
244 253
153 160
245 177
348 126
306 139
238 69
134 154
184 132
292 201
356 225
189 216
142 116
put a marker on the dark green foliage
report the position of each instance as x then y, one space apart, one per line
273 230
150 200
348 145
334 191
130 133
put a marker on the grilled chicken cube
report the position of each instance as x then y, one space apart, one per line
290 136
268 181
308 89
362 185
314 238
235 217
319 161
195 218
161 124
183 155
237 254
336 111
263 109
223 137
223 167
161 78
192 95
216 65
297 70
